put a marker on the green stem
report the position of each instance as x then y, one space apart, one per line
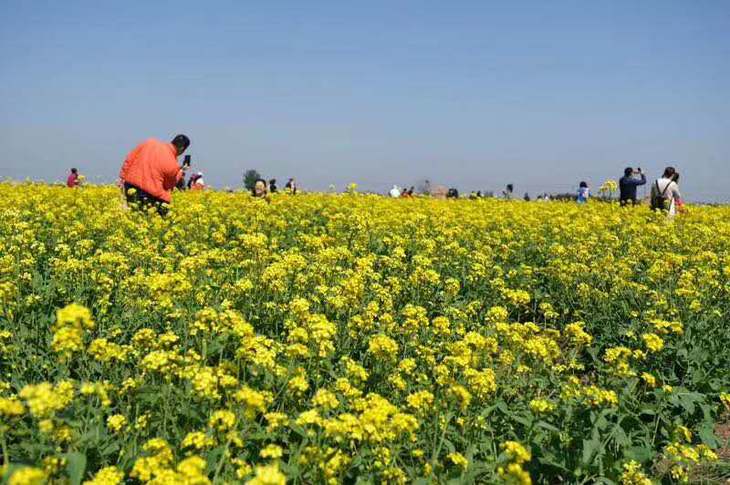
221 461
6 457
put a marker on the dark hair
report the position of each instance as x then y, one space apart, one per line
74 170
675 177
181 142
584 185
628 171
668 172
510 187
272 181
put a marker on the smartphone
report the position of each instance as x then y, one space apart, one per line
186 161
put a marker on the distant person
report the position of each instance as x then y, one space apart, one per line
507 192
584 193
453 193
526 197
196 181
73 179
151 171
394 192
272 186
627 185
665 192
291 186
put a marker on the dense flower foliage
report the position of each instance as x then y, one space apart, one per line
329 338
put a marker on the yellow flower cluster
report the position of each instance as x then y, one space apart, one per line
68 331
516 456
634 475
682 457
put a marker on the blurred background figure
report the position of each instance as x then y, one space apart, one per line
272 186
196 181
291 186
181 184
394 192
527 197
584 193
74 179
507 192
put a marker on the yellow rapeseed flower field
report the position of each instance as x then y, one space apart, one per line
357 339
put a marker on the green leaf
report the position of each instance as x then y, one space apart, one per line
523 420
75 467
647 411
109 449
687 401
707 436
547 426
642 454
590 449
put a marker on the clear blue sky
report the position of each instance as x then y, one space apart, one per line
469 93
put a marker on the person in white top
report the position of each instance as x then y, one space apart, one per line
665 192
395 191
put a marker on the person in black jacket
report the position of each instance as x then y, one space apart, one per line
627 185
291 186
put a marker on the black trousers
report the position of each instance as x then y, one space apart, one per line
141 200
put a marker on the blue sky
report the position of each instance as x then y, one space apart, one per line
475 94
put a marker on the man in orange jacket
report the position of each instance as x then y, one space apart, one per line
151 171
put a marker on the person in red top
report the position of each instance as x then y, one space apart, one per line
73 179
197 182
150 172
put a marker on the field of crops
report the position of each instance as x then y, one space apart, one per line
358 339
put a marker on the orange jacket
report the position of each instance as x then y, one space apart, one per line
152 167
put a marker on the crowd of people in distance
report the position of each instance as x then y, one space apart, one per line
664 193
401 192
151 172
